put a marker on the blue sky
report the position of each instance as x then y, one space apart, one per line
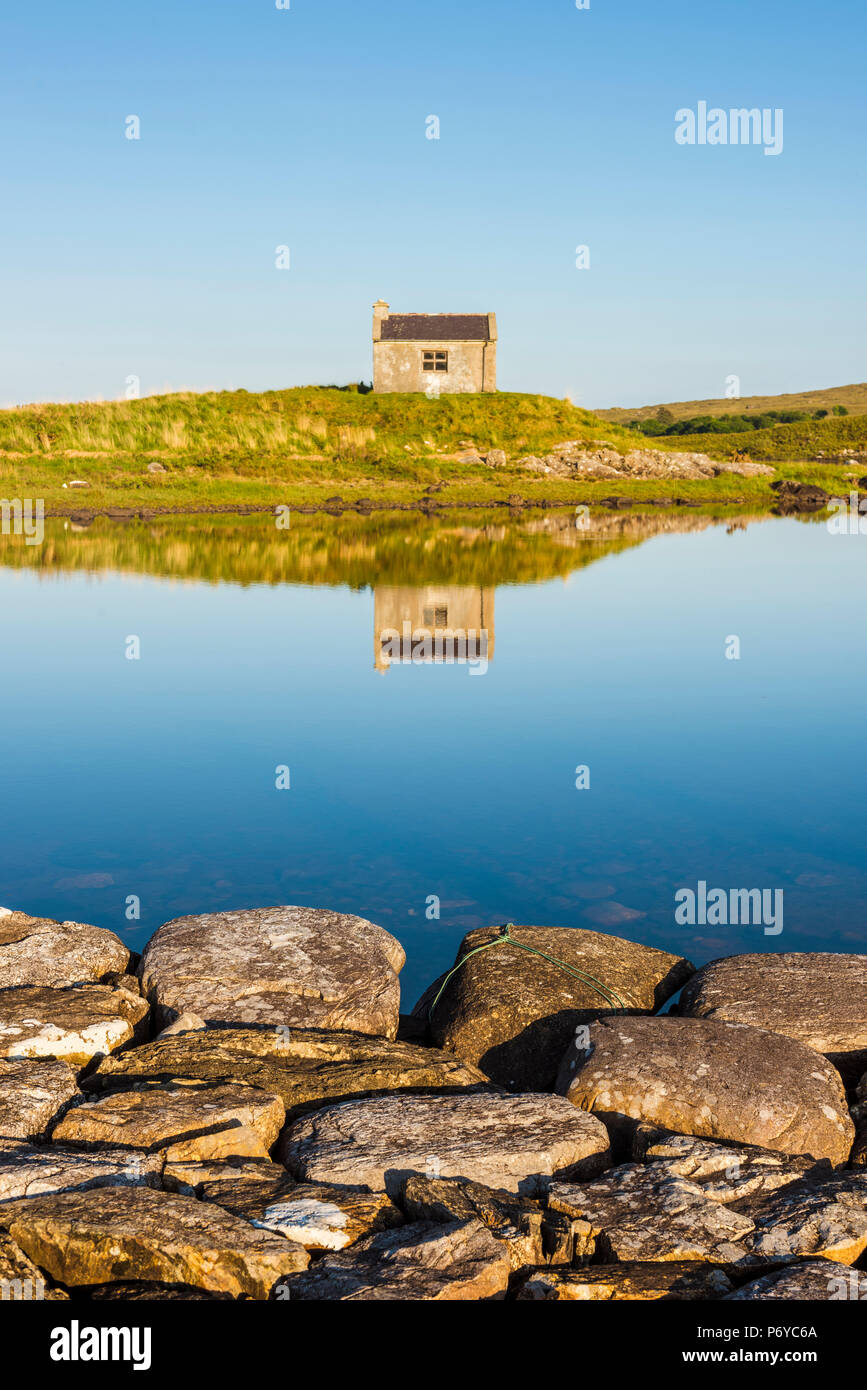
306 127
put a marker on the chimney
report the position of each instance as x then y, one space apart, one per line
380 312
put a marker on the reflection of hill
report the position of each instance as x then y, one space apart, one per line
473 548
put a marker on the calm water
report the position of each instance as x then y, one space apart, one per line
156 777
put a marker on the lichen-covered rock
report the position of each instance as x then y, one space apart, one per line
30 1171
319 1216
158 1116
21 1281
420 1262
279 965
136 1234
512 1013
77 1024
715 1080
513 1142
40 951
679 1279
196 1177
817 997
646 1214
32 1096
808 1280
825 1217
724 1173
531 1235
306 1068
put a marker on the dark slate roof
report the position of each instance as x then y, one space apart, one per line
431 328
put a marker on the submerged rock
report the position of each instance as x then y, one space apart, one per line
32 1096
154 1117
678 1279
306 1068
420 1262
715 1080
138 1235
77 1024
40 951
278 965
647 1214
817 997
513 1142
512 1013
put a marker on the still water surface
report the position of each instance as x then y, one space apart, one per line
260 649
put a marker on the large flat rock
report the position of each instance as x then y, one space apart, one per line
278 965
724 1173
32 1096
137 1235
715 1080
154 1117
77 1024
512 1012
420 1262
825 1217
808 1280
513 1142
817 997
677 1280
530 1234
30 1171
40 951
644 1214
306 1068
320 1216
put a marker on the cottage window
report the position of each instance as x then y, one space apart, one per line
435 361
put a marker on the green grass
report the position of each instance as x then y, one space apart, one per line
802 440
852 398
303 446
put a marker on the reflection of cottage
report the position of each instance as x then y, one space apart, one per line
434 625
434 353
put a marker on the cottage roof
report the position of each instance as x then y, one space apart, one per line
430 328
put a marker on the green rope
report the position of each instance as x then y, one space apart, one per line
505 938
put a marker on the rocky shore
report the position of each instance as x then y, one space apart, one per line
243 1112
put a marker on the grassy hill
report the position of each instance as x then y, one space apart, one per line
851 398
804 439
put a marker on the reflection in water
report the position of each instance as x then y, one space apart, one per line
433 625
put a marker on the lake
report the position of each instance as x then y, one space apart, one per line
158 675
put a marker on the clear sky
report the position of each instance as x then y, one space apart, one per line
306 127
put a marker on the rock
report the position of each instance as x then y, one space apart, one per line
858 1156
799 497
678 1279
32 1096
813 1280
77 1024
826 1218
647 1214
27 1171
421 1262
512 1013
318 1216
513 1142
278 965
715 1080
155 1293
307 1068
818 997
199 1177
184 1023
156 467
40 951
21 1281
138 1235
191 1116
469 456
531 1235
496 458
724 1174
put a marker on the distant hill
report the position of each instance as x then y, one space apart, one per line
852 398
